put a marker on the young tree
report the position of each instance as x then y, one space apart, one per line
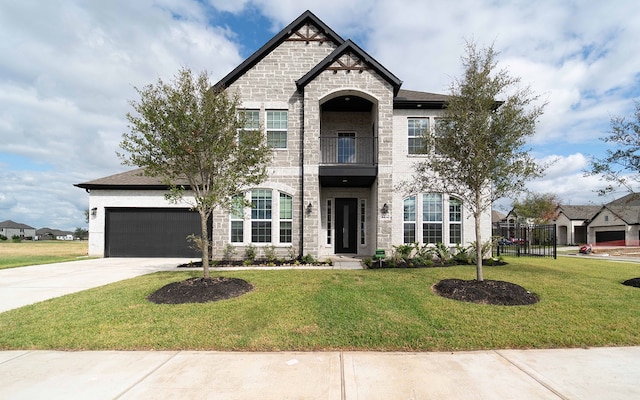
186 133
620 168
478 150
540 207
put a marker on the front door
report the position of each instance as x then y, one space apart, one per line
346 226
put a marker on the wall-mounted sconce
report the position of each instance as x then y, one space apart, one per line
385 209
309 208
94 211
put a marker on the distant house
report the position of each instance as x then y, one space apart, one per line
497 221
571 223
53 234
10 229
616 223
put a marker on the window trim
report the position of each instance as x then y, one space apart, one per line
363 222
279 129
418 219
455 202
408 221
412 134
275 219
329 241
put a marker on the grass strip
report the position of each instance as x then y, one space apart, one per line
583 303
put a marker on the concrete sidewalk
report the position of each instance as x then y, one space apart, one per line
600 373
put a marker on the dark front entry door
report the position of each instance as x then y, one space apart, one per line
346 225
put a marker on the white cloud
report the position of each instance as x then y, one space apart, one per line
69 67
67 72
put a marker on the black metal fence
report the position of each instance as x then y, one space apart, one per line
527 241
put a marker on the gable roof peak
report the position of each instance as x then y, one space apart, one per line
348 46
304 18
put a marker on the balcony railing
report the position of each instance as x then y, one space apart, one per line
348 150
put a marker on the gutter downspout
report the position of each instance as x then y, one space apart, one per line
302 208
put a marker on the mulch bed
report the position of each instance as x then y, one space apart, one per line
485 292
200 290
635 282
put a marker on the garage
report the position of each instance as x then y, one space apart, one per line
610 236
150 232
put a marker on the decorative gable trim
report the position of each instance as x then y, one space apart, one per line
307 27
308 33
349 57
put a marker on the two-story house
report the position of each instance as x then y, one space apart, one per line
344 136
10 229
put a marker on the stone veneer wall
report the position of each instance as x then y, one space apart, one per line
271 85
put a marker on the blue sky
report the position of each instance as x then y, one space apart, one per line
69 68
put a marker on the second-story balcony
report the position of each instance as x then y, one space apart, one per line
348 160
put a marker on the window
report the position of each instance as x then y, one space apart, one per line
346 147
417 129
455 221
436 134
277 129
410 220
363 222
328 221
432 218
286 217
237 219
252 121
261 216
268 220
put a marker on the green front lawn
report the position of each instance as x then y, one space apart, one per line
583 303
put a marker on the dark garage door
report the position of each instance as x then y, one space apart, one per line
610 236
150 232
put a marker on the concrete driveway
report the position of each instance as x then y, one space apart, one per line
27 285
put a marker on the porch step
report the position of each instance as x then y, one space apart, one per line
341 262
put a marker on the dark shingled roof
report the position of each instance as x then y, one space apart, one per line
579 212
8 224
134 179
411 99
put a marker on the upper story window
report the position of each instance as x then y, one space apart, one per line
277 128
251 121
416 131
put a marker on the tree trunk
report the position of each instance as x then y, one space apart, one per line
204 243
477 215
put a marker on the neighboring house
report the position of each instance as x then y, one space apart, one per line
344 136
53 234
571 223
616 223
10 229
498 221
